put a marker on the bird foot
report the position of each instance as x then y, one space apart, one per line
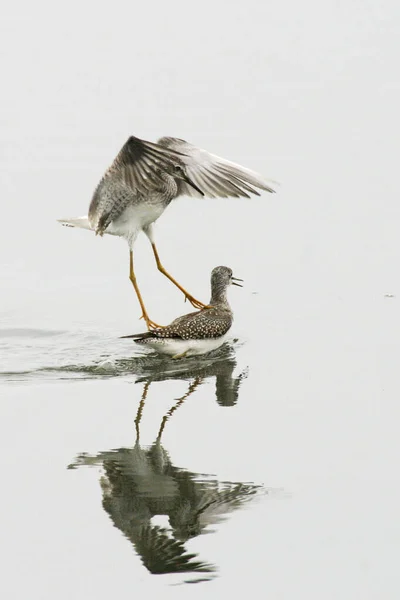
196 303
151 324
181 355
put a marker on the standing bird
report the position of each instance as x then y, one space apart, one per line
143 180
197 332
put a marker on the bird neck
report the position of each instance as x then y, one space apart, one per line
218 297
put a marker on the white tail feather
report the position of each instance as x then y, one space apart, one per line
81 222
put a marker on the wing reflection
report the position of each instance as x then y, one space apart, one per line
140 484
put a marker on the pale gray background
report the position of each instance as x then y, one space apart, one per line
306 93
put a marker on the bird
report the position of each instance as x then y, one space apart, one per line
143 180
198 332
142 483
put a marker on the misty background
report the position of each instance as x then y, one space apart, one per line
307 94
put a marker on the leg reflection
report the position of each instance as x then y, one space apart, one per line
141 484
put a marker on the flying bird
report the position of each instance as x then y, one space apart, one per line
143 180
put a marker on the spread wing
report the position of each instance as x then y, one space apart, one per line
161 553
215 176
139 163
134 173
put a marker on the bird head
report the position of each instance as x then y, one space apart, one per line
222 277
178 172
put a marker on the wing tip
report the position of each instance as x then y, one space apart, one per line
267 187
133 336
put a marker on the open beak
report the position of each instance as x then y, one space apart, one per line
235 279
190 182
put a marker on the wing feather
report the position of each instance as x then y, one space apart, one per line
139 163
138 171
135 172
215 176
204 324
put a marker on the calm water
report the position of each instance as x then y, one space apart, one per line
281 446
271 465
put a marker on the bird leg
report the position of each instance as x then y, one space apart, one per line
192 387
181 355
150 324
196 303
140 410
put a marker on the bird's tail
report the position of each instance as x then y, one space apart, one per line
138 336
82 222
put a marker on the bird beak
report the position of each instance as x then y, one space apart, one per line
234 279
190 182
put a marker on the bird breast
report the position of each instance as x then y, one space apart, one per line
136 217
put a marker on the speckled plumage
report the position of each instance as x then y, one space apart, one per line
143 180
203 324
206 325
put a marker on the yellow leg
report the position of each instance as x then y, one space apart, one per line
192 300
150 324
181 355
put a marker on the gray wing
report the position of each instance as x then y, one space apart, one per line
204 324
135 172
139 163
108 203
162 554
215 176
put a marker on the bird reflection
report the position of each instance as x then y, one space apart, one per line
220 364
141 483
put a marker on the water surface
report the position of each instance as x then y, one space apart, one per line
271 465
